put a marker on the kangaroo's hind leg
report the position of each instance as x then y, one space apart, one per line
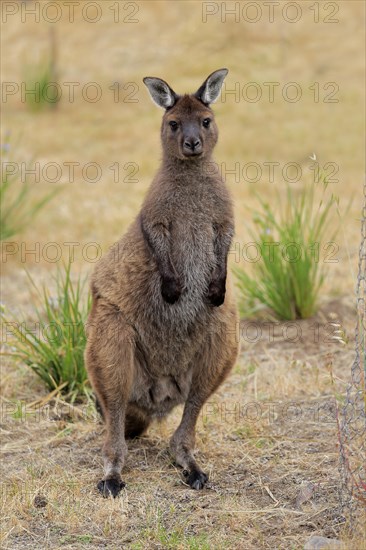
217 357
110 363
136 422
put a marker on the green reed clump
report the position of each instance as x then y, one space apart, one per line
289 234
53 347
18 207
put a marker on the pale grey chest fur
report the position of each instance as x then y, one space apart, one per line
192 211
192 253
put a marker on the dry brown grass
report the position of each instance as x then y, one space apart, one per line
267 436
258 468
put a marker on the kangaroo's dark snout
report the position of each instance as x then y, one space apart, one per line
192 145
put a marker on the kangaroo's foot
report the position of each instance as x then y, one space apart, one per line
196 479
111 487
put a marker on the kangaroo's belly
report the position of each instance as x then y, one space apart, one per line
157 396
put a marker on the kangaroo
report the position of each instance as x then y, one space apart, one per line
162 330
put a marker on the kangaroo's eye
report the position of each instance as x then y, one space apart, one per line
206 122
173 125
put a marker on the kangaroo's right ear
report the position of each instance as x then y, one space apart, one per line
210 89
161 93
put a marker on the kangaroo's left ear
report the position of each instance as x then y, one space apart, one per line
211 88
161 93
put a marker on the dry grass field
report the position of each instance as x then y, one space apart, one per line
268 437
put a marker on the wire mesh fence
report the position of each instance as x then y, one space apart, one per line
352 417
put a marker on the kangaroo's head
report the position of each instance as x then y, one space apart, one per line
188 129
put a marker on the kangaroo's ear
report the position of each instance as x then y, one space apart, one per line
211 88
161 93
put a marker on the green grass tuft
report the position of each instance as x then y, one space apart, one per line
17 207
54 347
41 88
290 271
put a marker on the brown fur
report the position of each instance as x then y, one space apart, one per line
162 329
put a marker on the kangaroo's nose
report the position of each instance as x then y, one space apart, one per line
192 144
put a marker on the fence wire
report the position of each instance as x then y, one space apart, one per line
352 422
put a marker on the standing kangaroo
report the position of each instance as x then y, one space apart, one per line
162 328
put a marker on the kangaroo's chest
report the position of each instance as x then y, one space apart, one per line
192 249
192 233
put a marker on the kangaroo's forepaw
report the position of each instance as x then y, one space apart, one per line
216 292
110 487
195 479
171 290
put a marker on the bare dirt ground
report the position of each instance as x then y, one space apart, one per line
268 438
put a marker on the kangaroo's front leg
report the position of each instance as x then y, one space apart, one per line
157 236
217 287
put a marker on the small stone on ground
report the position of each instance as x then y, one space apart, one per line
318 543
